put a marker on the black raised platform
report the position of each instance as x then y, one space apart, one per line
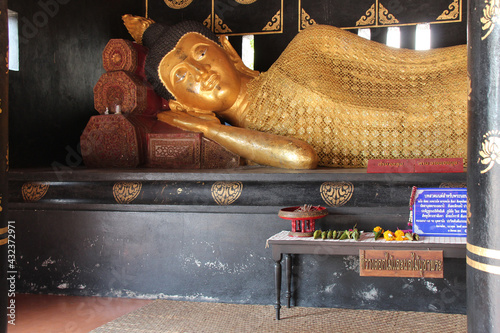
201 234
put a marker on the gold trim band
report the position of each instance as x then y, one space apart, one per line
483 252
4 230
4 241
483 267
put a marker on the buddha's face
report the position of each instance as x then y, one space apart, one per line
199 74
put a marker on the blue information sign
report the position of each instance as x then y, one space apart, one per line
440 212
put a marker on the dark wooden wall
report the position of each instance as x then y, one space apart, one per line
51 97
275 22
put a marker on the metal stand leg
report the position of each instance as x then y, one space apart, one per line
288 266
277 280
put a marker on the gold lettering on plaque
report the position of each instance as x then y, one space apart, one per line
226 193
34 191
403 263
336 194
126 192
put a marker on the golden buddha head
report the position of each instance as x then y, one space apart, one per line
186 62
200 74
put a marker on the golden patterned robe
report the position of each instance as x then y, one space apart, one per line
355 100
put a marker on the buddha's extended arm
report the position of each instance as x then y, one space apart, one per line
262 148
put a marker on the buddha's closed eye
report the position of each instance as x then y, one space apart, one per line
199 52
180 75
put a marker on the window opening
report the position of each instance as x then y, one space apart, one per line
393 37
365 33
13 41
423 36
248 51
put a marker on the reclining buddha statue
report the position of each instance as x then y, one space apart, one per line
331 99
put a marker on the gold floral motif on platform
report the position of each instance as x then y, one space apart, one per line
490 150
126 192
34 191
226 193
245 2
178 4
491 15
336 194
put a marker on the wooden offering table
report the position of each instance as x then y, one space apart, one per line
283 244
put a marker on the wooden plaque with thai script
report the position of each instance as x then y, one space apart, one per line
401 263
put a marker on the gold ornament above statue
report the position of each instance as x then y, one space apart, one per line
331 99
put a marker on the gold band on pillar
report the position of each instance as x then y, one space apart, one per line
483 252
492 269
486 253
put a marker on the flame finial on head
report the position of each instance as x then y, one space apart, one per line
136 25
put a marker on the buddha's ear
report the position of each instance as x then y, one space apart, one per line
236 59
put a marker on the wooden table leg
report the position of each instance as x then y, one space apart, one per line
277 281
288 267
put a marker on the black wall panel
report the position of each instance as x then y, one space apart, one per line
51 97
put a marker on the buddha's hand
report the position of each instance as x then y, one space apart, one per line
189 120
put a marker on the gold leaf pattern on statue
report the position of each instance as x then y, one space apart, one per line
491 15
275 23
306 20
245 2
178 4
34 191
336 194
226 193
126 192
490 150
384 16
452 12
368 18
220 27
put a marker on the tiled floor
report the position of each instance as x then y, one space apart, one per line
67 314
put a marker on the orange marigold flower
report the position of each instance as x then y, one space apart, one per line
377 229
401 238
399 233
388 235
